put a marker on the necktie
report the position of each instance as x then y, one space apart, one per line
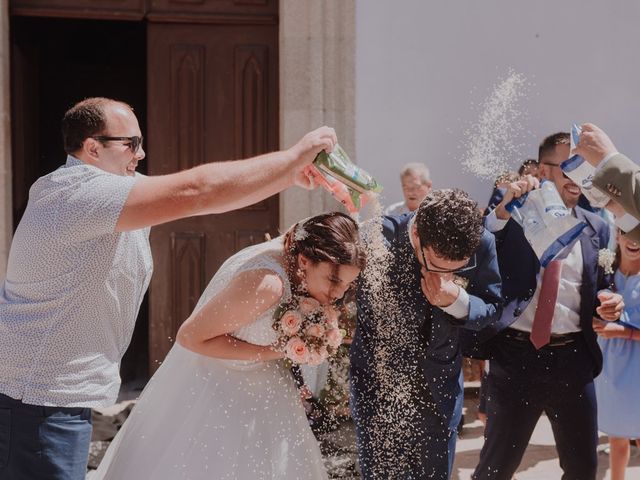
541 329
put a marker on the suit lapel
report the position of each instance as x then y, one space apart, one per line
407 262
424 311
590 244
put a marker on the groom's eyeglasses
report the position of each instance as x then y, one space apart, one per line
134 143
469 266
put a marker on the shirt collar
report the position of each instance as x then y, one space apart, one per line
73 161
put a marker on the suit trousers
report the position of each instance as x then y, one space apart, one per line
419 446
39 442
522 384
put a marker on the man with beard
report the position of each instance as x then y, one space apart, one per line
543 351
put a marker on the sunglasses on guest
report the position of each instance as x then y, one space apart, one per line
134 143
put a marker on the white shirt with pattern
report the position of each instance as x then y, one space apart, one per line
73 289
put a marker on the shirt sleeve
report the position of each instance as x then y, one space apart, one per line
627 222
91 206
460 308
493 223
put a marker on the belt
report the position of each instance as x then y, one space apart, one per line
555 340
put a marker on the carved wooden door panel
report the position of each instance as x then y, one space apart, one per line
212 96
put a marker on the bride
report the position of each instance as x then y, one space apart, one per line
223 405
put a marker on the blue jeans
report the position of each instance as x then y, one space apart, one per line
43 442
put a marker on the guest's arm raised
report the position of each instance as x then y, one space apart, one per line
248 295
515 190
221 186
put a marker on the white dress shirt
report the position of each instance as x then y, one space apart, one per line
399 208
566 315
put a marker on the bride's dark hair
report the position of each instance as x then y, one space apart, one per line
329 237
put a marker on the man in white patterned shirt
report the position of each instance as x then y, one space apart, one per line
79 266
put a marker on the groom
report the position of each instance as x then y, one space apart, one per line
436 272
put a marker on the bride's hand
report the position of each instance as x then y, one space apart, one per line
305 393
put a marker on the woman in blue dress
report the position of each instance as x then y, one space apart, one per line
618 386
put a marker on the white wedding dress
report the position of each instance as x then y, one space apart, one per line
207 418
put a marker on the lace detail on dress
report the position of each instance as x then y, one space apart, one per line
265 256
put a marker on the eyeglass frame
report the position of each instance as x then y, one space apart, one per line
554 165
466 268
135 142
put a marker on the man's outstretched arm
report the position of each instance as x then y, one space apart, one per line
221 186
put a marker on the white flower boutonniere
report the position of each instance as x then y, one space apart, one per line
606 258
461 281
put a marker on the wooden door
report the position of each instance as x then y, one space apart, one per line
83 9
212 96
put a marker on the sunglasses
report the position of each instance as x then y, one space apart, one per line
134 143
469 266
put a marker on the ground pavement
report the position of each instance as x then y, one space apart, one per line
540 461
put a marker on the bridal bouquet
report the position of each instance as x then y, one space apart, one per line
308 333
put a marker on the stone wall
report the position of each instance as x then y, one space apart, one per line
317 86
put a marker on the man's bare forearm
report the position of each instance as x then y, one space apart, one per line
220 186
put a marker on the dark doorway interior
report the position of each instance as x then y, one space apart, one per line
54 64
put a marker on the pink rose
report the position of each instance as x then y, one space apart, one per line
331 316
334 337
314 330
297 350
290 322
308 305
324 353
315 358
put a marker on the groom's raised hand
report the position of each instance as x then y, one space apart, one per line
439 289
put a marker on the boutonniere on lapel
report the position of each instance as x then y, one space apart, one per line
461 281
606 258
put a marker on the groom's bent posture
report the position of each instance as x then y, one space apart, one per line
79 265
439 273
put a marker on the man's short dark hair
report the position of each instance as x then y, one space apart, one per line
549 144
450 222
83 120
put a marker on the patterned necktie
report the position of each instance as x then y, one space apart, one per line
541 329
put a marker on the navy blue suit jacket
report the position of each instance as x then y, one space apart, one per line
436 350
519 267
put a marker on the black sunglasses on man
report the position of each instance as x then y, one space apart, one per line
134 143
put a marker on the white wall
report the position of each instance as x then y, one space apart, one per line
423 67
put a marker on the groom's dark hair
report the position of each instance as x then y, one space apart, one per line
450 222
